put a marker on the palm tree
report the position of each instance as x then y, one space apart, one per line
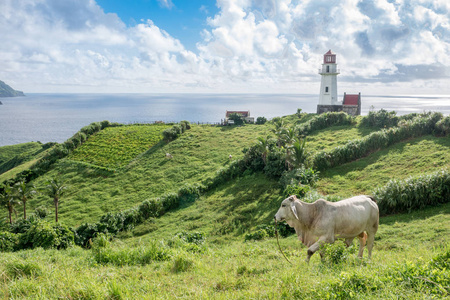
278 130
263 146
288 136
8 200
297 155
55 190
24 192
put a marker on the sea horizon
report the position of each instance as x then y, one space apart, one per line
55 117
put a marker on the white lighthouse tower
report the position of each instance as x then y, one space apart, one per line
328 84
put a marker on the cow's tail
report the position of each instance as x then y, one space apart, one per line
372 198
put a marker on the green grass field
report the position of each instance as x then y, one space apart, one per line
411 258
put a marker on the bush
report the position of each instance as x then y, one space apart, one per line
8 241
443 126
260 121
336 253
175 131
276 164
380 119
413 193
301 175
323 121
298 190
43 234
237 118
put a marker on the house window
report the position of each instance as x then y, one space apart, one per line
326 89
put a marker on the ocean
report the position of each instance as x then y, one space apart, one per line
56 117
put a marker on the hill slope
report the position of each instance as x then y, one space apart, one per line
7 91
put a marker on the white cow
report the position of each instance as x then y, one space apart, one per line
323 221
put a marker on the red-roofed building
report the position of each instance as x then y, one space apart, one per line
351 104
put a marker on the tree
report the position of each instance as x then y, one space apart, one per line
237 118
24 192
279 129
297 154
263 147
8 200
288 136
55 190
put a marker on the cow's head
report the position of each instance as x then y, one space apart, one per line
287 210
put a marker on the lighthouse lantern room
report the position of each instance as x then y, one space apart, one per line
328 84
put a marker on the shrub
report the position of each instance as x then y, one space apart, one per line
8 241
197 238
301 175
175 131
261 120
414 193
237 118
336 253
276 164
298 190
380 119
43 234
323 121
443 126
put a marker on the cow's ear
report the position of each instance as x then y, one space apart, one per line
294 209
291 198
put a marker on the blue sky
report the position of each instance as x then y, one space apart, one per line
184 20
224 46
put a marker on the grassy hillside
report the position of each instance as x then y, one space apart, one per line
402 267
197 155
198 250
410 158
14 155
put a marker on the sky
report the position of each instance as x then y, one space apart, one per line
383 47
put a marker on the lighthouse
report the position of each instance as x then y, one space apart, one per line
328 84
328 100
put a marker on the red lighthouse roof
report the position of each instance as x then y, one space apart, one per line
329 57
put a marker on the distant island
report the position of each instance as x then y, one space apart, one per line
7 91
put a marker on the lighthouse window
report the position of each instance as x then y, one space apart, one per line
328 69
326 89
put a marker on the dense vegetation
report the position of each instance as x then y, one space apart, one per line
184 217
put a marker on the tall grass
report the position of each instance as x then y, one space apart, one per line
414 193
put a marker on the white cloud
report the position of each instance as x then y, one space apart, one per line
249 45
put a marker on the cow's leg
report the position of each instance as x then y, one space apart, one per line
362 242
314 247
370 240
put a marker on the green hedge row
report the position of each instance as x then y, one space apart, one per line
112 223
413 193
323 121
419 126
175 131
